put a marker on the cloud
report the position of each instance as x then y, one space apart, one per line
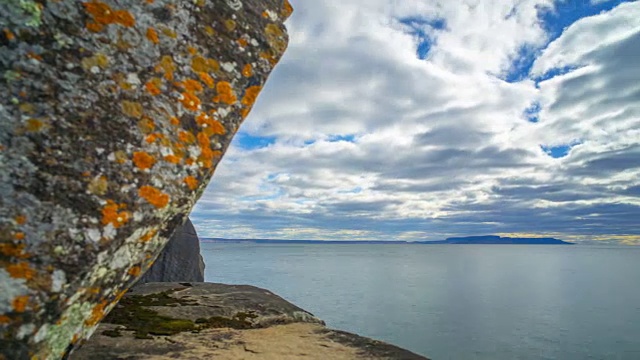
419 120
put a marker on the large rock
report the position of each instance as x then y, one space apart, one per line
217 321
180 260
113 117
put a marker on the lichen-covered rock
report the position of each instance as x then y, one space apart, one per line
218 321
113 117
180 260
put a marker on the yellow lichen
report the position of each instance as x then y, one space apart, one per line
143 160
154 196
170 33
146 125
98 185
200 64
131 108
167 66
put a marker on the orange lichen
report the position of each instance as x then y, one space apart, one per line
152 35
111 214
174 121
172 159
250 95
247 70
210 125
14 250
34 125
146 125
8 34
152 89
103 15
186 137
148 236
20 303
20 219
19 236
21 270
287 10
151 138
225 93
134 271
143 160
95 27
96 313
205 78
167 66
192 85
242 42
154 196
190 101
4 319
192 50
131 108
191 182
189 161
265 14
206 154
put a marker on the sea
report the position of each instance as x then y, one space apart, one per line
456 301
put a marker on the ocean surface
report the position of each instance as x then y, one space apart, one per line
456 301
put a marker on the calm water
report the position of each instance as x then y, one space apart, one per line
457 301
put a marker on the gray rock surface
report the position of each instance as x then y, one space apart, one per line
180 260
113 118
207 321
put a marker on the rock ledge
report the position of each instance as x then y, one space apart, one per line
206 320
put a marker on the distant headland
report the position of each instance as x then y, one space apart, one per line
468 240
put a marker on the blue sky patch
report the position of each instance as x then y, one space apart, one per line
560 151
554 22
249 142
532 112
337 138
420 28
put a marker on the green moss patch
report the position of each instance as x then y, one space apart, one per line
132 313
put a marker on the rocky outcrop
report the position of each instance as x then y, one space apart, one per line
217 321
113 117
180 260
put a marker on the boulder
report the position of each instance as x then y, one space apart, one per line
180 260
217 321
113 117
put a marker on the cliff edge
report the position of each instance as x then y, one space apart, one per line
217 321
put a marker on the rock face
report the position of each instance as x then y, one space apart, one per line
113 117
217 321
180 260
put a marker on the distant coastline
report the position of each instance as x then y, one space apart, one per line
466 240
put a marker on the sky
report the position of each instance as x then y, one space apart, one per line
425 119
